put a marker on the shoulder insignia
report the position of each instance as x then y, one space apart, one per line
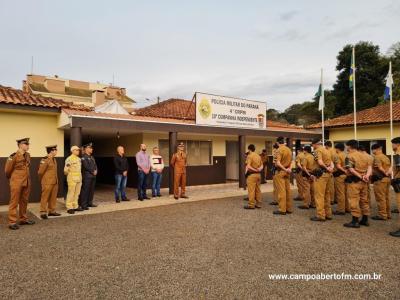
11 156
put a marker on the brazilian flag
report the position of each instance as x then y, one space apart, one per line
352 71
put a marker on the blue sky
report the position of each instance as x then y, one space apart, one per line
263 50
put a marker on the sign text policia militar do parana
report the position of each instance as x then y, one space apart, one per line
224 111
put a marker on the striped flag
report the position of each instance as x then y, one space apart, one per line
389 83
352 71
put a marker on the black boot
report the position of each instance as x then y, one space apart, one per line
364 221
395 233
353 224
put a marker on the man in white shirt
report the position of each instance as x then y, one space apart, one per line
157 166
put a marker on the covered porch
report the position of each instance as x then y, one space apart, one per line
217 153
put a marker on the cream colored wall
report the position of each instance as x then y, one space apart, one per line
259 142
107 147
371 132
41 128
218 142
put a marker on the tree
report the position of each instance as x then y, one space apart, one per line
371 70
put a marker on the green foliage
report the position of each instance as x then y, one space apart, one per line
394 56
371 70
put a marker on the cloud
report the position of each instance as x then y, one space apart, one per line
349 30
278 91
287 16
291 35
288 35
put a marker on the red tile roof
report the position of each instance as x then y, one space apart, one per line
10 95
374 115
181 109
274 126
172 108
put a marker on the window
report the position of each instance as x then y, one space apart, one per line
198 152
163 145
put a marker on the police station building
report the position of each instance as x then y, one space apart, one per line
215 129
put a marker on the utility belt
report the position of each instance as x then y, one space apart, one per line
352 179
396 185
273 170
248 173
396 160
297 170
304 174
338 173
377 177
318 172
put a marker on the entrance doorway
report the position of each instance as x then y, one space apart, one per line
232 160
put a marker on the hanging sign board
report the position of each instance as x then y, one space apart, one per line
213 110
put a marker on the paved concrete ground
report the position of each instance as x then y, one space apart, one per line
104 198
209 249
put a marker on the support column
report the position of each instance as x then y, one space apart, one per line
242 155
173 136
76 136
298 145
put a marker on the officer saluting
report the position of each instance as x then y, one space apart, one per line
89 173
17 171
49 180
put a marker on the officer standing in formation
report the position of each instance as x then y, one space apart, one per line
381 173
339 175
73 172
254 167
321 176
359 166
49 180
396 175
179 162
17 171
299 175
307 165
282 179
331 182
89 173
274 172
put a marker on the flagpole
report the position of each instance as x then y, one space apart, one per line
354 94
391 109
323 108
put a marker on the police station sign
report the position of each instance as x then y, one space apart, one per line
224 111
